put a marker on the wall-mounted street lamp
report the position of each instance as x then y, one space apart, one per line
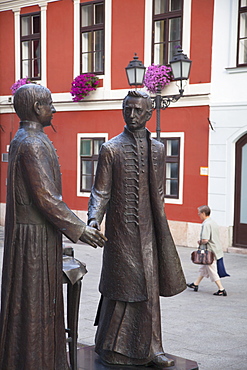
180 65
135 71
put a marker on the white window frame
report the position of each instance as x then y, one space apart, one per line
176 135
79 137
148 29
107 43
15 6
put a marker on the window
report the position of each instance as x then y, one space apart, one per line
167 29
92 37
242 33
172 147
89 152
30 46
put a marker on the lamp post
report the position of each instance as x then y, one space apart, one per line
180 65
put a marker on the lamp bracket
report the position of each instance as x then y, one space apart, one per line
163 102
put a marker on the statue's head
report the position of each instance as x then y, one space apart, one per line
34 103
137 110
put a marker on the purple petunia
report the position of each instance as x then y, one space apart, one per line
157 76
82 85
19 83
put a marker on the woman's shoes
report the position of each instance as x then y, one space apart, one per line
193 286
221 292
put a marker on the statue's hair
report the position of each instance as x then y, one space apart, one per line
26 96
139 94
204 209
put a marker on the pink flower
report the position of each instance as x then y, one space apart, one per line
19 83
82 85
157 76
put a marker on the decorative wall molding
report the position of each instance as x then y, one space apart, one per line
17 4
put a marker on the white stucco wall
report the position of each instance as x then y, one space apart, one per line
228 113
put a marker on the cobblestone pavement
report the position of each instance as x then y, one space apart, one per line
195 325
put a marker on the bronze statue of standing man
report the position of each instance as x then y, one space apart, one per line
140 261
32 332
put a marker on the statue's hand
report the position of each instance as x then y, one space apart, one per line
95 224
93 237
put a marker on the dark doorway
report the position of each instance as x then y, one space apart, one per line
240 208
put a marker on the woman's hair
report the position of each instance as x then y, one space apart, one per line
26 96
204 209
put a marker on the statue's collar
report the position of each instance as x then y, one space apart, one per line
31 125
138 133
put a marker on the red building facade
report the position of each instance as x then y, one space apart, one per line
128 28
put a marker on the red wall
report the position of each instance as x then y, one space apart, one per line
30 9
7 52
193 121
201 40
9 126
127 38
60 45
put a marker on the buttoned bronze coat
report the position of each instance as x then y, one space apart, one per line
32 333
115 192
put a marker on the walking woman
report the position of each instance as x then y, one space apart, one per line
210 236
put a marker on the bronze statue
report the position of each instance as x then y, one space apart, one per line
140 261
32 332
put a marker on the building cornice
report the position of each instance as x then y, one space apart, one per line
15 5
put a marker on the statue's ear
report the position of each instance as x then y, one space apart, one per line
36 108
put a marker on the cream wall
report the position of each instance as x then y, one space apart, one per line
228 112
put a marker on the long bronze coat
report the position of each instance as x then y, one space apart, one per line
116 192
32 334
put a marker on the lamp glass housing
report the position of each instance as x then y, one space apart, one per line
135 72
180 65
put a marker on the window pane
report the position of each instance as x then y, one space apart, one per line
99 46
99 13
25 68
243 2
175 5
86 182
97 145
86 63
243 25
86 15
86 39
99 40
243 51
159 31
172 170
159 53
172 147
172 50
86 47
86 148
87 167
95 163
160 6
36 58
36 24
174 29
25 23
25 49
172 187
98 62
